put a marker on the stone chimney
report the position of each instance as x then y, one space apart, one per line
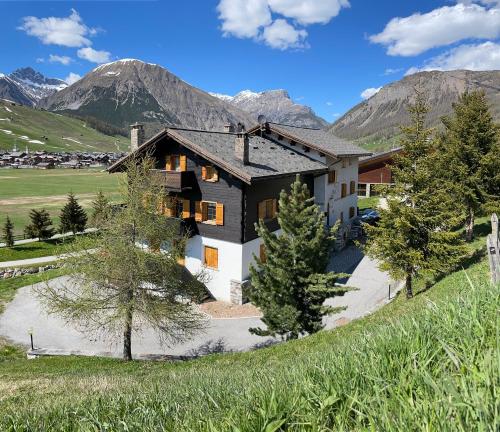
136 136
241 147
228 128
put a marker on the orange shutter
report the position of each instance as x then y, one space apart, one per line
219 214
353 186
203 173
262 210
183 163
275 207
168 163
169 207
211 257
262 253
344 190
186 209
204 211
197 211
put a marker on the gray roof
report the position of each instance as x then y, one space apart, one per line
320 140
381 154
266 158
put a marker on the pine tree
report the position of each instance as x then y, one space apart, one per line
101 210
73 217
416 230
40 225
468 156
292 283
8 235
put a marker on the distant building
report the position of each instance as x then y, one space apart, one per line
375 170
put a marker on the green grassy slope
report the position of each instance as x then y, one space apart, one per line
22 190
63 133
427 364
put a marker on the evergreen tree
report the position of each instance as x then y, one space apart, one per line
292 283
8 235
101 210
73 217
469 159
416 230
40 225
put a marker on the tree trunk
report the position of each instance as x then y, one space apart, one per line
469 226
409 287
127 336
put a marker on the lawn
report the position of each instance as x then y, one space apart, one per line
370 202
22 190
434 358
33 250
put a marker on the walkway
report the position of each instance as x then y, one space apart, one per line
25 312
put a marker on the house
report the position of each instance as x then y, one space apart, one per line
375 170
221 183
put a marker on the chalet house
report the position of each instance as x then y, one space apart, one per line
375 170
221 183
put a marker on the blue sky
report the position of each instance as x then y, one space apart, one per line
326 53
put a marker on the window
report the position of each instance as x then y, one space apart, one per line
344 163
343 192
177 207
352 212
209 173
352 187
267 209
176 163
262 253
211 257
209 212
332 176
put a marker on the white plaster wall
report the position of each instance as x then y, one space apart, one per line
249 249
334 190
230 264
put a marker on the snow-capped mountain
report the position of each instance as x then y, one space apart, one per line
276 106
27 86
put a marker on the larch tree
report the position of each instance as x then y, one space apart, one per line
8 232
469 159
101 210
73 217
40 225
291 284
120 279
416 232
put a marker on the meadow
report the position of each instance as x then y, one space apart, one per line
24 189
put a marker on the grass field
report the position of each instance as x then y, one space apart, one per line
428 364
43 130
22 190
33 250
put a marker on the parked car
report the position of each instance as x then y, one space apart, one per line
370 217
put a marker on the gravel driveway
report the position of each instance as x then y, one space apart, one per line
50 332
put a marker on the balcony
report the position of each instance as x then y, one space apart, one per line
174 181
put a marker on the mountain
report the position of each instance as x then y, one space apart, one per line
27 86
126 91
375 122
42 130
276 106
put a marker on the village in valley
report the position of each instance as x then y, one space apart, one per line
173 258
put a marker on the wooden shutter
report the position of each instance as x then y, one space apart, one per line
275 207
353 187
198 215
211 257
344 190
183 162
351 212
203 173
219 214
169 207
168 163
186 209
332 176
262 210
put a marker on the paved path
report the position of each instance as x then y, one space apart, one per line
54 237
25 312
30 261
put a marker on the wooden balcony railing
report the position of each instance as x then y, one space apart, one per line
175 181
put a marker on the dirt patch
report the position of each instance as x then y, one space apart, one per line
7 177
220 309
342 321
44 200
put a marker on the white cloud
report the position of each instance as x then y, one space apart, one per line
282 35
369 92
72 78
242 18
390 71
65 60
418 33
254 19
485 56
308 12
329 103
335 115
94 56
69 31
40 60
